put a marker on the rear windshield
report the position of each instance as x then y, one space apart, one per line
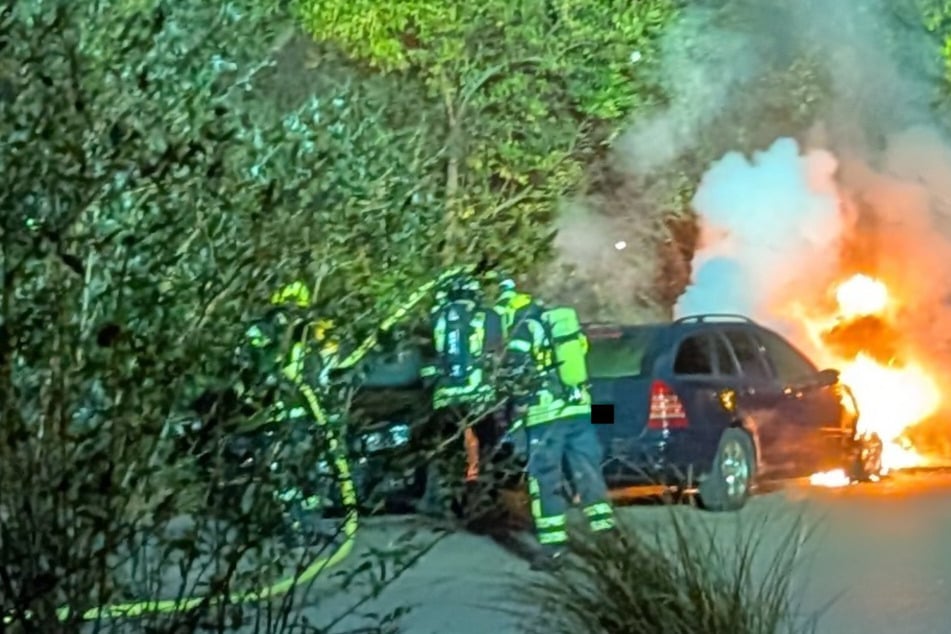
616 357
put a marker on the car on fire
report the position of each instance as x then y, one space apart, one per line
707 404
714 404
711 405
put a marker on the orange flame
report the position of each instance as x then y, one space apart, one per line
892 393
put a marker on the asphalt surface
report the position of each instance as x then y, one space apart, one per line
878 561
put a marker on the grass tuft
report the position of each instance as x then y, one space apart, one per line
681 576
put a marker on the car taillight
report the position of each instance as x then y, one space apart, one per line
666 409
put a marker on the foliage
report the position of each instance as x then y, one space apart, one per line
676 577
146 215
525 92
936 18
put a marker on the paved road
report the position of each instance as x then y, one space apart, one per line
882 549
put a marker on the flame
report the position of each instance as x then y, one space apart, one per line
860 296
834 478
893 392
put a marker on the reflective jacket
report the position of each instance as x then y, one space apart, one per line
485 337
304 362
508 304
527 349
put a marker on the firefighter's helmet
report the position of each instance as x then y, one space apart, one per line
295 294
323 328
458 286
506 284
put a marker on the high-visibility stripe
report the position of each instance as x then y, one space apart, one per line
555 410
599 508
554 521
519 345
474 383
554 537
484 394
602 525
600 516
534 491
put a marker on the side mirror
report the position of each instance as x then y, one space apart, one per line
828 377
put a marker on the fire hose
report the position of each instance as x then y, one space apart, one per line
338 451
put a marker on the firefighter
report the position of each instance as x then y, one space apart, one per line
509 302
553 404
307 365
465 333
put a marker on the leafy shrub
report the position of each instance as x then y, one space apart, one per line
147 213
676 577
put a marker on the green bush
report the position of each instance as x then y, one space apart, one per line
148 211
675 577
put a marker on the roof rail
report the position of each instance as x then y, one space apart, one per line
699 319
602 329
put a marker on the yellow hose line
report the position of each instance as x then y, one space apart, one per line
347 491
397 315
348 494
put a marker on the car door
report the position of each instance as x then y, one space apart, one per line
616 365
763 405
817 409
699 383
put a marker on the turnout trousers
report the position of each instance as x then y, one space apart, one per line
572 445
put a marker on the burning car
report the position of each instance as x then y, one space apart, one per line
860 335
715 404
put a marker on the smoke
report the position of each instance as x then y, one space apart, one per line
823 154
861 185
767 223
810 131
602 269
702 64
904 205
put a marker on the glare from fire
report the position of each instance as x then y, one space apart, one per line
831 479
861 295
893 392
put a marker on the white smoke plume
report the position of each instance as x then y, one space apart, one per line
767 223
866 189
874 172
863 186
703 64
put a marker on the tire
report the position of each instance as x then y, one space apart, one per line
728 484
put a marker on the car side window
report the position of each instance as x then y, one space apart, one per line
789 364
725 364
748 355
694 356
613 358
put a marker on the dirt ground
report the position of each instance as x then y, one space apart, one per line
879 561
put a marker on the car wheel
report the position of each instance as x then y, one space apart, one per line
727 486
